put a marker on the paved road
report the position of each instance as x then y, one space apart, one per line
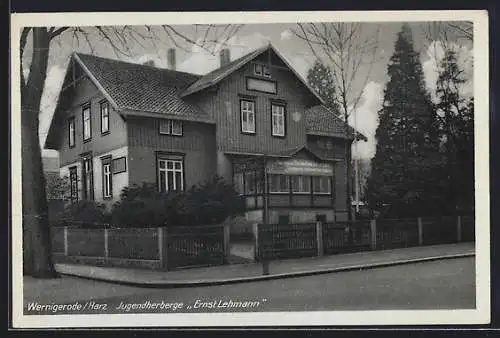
443 284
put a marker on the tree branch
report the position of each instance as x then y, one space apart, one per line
55 32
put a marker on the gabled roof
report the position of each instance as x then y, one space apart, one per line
219 74
322 121
134 89
288 153
143 88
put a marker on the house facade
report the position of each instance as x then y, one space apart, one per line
253 121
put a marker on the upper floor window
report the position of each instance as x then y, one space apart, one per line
322 184
171 127
104 117
170 173
261 70
279 183
278 120
247 116
71 132
301 184
87 124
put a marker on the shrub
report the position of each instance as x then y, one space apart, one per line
145 206
208 203
84 213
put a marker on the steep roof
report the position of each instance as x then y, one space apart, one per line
143 88
219 74
322 121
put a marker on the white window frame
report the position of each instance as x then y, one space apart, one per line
73 181
175 172
171 127
72 132
323 179
87 123
275 186
107 177
302 185
277 115
247 108
104 117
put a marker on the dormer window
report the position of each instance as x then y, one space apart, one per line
261 70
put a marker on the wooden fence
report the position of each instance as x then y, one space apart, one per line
163 247
316 239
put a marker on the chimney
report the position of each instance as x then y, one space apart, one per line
150 63
171 58
225 57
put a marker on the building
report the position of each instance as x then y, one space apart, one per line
117 124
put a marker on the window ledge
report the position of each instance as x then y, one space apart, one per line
105 133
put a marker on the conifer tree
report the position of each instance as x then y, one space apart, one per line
322 80
406 169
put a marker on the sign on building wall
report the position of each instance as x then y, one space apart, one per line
300 167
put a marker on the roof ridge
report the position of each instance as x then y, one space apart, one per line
136 64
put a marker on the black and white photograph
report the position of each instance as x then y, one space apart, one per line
242 169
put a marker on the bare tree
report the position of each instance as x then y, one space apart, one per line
347 48
37 259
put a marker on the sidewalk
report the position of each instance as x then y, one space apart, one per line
238 273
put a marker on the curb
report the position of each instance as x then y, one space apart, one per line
195 283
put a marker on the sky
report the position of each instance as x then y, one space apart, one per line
369 84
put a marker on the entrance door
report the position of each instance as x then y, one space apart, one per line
283 219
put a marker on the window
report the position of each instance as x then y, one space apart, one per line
88 179
278 120
322 184
170 174
301 184
171 127
73 184
250 183
247 116
104 117
119 165
71 132
87 127
238 182
279 184
261 70
107 178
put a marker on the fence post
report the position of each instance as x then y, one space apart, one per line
319 237
65 234
227 237
106 247
459 228
159 234
163 241
255 228
420 231
373 234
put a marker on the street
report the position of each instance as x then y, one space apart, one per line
442 284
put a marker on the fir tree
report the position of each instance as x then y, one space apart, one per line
322 80
456 116
405 173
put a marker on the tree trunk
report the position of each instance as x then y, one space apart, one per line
37 259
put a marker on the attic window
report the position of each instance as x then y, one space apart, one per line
171 127
261 70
